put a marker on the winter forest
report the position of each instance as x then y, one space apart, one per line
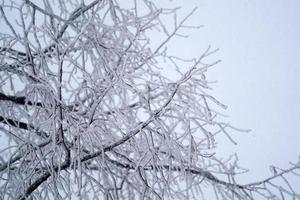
92 107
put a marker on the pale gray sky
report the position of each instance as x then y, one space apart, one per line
258 77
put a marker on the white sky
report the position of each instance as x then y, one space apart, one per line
258 77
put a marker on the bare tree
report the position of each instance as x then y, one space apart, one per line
88 111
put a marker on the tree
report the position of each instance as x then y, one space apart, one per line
88 111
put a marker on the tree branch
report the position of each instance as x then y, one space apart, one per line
21 100
22 125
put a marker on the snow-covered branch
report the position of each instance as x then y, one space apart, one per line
92 105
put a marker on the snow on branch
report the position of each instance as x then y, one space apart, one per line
93 106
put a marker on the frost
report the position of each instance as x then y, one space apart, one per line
89 108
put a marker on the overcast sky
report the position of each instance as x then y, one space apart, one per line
258 77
